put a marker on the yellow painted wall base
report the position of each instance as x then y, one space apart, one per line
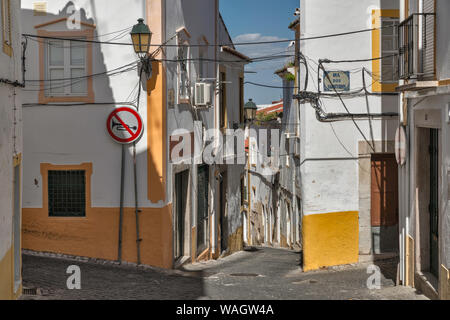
330 239
445 283
6 276
96 236
235 241
283 241
410 258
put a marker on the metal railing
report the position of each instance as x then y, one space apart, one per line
416 46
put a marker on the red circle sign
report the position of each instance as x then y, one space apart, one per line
125 125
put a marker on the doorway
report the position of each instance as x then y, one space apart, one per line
181 196
384 203
433 206
202 209
17 228
223 213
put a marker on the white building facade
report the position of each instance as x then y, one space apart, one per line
71 92
424 175
347 126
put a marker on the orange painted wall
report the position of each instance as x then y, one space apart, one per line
96 236
157 133
156 110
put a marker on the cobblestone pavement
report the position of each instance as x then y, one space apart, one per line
264 273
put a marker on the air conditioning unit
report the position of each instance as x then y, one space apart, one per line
203 94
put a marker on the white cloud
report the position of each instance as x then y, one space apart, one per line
262 50
255 37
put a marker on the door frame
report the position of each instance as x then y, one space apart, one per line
422 185
186 234
223 211
17 225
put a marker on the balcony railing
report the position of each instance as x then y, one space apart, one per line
417 47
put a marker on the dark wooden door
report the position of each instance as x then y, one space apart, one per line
223 213
181 193
434 201
202 209
384 190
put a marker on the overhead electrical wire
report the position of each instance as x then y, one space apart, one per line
69 81
214 45
86 76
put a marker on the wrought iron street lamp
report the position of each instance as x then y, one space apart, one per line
250 110
141 37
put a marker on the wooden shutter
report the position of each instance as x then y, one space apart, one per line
428 40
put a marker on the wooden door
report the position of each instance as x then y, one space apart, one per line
434 201
384 190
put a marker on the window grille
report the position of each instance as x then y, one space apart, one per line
67 193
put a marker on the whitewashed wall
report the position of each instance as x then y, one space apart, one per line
329 151
77 134
10 98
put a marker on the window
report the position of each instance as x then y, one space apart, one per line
243 192
66 68
241 99
389 48
6 26
67 193
201 64
384 44
183 73
253 153
223 100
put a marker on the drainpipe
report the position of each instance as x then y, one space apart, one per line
136 203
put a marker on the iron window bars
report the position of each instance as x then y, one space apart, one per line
416 46
67 193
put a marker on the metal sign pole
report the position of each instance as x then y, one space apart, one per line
136 211
122 189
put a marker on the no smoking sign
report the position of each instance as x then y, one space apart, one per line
125 125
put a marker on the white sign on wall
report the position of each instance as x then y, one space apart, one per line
336 80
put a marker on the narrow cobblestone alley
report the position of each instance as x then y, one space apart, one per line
263 273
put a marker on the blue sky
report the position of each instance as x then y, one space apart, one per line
260 20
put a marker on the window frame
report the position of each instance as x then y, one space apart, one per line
86 167
241 99
377 16
394 50
223 98
183 42
67 70
44 95
68 199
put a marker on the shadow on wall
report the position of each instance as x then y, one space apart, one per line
96 235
